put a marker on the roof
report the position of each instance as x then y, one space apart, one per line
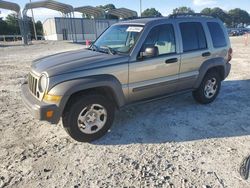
9 6
144 21
50 4
123 13
92 11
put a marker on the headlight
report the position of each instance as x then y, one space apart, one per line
42 85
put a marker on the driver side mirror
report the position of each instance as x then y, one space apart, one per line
149 52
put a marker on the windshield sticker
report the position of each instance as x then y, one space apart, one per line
134 29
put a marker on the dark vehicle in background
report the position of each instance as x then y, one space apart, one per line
238 32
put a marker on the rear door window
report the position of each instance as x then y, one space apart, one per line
217 34
193 36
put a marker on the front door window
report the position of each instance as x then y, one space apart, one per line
162 37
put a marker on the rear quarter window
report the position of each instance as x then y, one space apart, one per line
217 34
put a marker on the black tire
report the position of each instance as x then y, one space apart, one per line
75 107
199 93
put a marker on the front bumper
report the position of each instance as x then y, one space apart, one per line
39 109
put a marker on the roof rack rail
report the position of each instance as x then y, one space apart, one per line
155 16
189 15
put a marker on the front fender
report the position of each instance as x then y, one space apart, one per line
68 88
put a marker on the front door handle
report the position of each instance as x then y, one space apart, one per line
206 54
173 60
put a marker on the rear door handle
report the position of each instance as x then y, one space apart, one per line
173 60
206 54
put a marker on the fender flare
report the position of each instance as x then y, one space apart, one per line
211 63
68 88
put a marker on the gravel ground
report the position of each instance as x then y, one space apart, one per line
174 142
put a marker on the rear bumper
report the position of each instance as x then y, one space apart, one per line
227 69
39 109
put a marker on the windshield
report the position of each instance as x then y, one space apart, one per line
118 39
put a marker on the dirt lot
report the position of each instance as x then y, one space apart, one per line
174 142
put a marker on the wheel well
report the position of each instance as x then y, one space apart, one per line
219 70
105 91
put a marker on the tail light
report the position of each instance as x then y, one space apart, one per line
230 54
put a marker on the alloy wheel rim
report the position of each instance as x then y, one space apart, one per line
92 118
210 88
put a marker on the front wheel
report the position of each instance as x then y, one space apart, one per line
88 117
209 88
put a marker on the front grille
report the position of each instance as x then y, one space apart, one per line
32 82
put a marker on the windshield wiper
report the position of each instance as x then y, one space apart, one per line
110 50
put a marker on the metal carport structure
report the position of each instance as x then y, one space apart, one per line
123 13
10 6
65 9
95 12
16 8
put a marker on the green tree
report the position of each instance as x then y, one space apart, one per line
150 12
4 27
107 7
182 10
218 13
12 22
239 17
10 26
207 11
39 28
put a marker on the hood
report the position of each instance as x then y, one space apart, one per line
72 61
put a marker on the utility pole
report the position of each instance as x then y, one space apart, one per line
140 7
34 25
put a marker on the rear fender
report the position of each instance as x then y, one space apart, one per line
209 64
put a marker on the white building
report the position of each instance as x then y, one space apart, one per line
82 29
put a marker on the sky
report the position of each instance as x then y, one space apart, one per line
164 6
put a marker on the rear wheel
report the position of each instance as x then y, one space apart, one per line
88 117
209 88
